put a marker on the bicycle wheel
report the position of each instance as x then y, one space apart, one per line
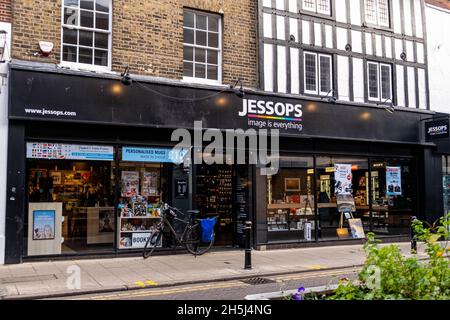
151 244
194 243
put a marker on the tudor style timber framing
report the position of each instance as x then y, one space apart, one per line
285 31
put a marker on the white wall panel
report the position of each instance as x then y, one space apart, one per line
4 94
398 48
355 12
358 80
397 16
293 6
267 25
420 53
411 88
267 3
422 88
281 71
317 35
268 67
418 18
408 16
341 38
343 78
341 14
305 32
281 32
295 69
369 49
388 46
356 41
279 4
379 49
328 36
409 51
293 28
400 86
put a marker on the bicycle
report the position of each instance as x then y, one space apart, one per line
190 238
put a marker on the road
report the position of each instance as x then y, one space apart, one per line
228 290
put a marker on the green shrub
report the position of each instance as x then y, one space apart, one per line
388 274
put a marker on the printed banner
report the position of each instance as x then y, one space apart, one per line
43 224
393 181
59 151
153 154
343 178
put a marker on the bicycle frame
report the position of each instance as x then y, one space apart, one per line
179 238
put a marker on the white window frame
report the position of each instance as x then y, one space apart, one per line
318 90
379 86
86 66
219 51
317 10
377 22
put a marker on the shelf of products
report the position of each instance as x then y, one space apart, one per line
139 210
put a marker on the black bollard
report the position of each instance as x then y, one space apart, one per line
248 245
413 237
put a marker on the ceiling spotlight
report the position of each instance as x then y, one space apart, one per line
332 98
126 79
238 91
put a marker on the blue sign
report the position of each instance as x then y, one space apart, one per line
153 154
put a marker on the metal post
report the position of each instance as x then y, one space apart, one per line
248 245
413 236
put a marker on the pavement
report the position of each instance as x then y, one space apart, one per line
33 280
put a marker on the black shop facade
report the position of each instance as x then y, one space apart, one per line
91 159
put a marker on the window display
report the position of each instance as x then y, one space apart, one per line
290 207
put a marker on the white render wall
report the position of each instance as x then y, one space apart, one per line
3 136
438 48
284 27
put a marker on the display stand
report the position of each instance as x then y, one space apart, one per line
44 228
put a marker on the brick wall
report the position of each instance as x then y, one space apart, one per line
5 10
147 35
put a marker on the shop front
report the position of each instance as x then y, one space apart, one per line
90 160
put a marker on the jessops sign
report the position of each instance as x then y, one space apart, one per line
437 129
264 114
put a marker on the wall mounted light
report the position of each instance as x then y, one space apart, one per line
388 105
403 56
348 47
238 91
126 79
330 98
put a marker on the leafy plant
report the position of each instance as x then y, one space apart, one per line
388 274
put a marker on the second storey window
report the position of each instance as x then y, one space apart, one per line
377 12
317 6
379 81
86 32
201 47
318 73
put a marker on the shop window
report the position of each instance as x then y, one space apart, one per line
317 6
86 34
342 197
379 81
393 195
318 73
202 42
377 12
446 184
290 200
70 199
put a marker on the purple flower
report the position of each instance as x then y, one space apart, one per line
299 294
297 297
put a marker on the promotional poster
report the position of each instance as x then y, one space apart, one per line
393 181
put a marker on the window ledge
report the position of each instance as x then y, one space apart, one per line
202 81
85 67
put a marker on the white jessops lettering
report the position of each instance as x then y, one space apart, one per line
269 108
